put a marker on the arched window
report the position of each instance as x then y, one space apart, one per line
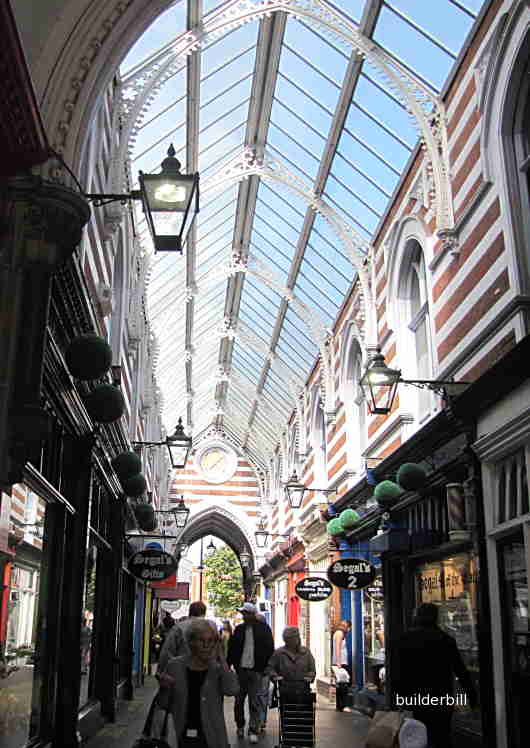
318 431
414 327
293 452
354 406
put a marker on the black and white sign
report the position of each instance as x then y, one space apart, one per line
151 565
375 591
351 573
313 589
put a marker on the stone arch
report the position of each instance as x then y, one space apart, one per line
229 525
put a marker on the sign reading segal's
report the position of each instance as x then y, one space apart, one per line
151 565
351 573
313 589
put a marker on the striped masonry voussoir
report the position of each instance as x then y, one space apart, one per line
484 305
339 444
475 187
463 138
461 107
336 467
467 166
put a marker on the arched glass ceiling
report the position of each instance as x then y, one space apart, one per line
234 348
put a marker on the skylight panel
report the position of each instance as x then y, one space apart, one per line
304 103
283 201
224 141
411 47
293 357
273 299
259 304
227 47
316 300
295 68
355 210
163 30
274 379
270 255
321 281
271 240
300 159
450 24
354 9
357 152
301 333
286 228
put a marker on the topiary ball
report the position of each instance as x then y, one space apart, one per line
411 476
105 404
88 357
135 486
348 518
145 516
386 492
334 527
126 465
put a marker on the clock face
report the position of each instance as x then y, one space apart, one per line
217 464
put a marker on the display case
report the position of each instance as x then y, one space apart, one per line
374 633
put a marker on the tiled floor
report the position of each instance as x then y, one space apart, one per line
333 729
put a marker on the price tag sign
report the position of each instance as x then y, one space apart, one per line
351 573
375 591
151 565
313 589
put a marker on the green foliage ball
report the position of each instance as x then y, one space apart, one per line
386 492
105 404
334 527
127 464
348 518
411 476
135 486
88 357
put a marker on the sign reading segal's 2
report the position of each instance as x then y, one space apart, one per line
151 565
313 589
351 573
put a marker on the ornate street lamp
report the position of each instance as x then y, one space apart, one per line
244 558
295 491
379 384
210 548
170 202
262 535
178 445
181 512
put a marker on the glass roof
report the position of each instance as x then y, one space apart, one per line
235 347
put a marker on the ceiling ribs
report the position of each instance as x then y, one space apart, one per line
268 51
351 78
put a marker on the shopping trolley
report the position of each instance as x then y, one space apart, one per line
296 712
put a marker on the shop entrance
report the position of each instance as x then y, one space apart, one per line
513 582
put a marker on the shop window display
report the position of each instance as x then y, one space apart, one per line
87 625
374 633
22 639
452 585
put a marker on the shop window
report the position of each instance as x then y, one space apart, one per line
23 643
452 584
87 653
512 488
374 632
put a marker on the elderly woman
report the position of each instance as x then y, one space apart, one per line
292 662
201 679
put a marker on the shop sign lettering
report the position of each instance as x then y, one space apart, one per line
375 591
313 589
151 565
351 573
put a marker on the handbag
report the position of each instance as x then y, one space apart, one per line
384 730
145 740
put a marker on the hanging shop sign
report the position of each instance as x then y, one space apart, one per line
351 573
151 565
375 590
313 589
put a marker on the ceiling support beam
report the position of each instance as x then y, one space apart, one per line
349 85
268 52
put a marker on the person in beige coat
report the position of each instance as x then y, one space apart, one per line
199 681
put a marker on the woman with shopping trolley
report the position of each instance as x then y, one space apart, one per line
293 669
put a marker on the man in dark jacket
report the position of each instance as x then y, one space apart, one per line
424 662
249 651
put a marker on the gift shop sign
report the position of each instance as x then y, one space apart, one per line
151 565
313 589
351 573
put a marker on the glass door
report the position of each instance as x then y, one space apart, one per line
516 627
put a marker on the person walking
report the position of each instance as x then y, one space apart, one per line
424 661
293 662
340 660
175 643
200 681
226 634
249 651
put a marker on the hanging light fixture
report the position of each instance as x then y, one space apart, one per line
170 202
181 512
210 548
179 446
379 384
261 534
244 558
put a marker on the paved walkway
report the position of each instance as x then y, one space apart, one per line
333 729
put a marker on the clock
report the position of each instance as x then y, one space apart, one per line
217 463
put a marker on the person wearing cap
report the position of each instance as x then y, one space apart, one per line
249 651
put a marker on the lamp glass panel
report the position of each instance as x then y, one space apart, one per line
261 538
181 517
160 189
179 454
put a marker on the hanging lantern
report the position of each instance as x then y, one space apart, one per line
135 486
411 476
126 465
386 493
105 404
88 357
348 518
